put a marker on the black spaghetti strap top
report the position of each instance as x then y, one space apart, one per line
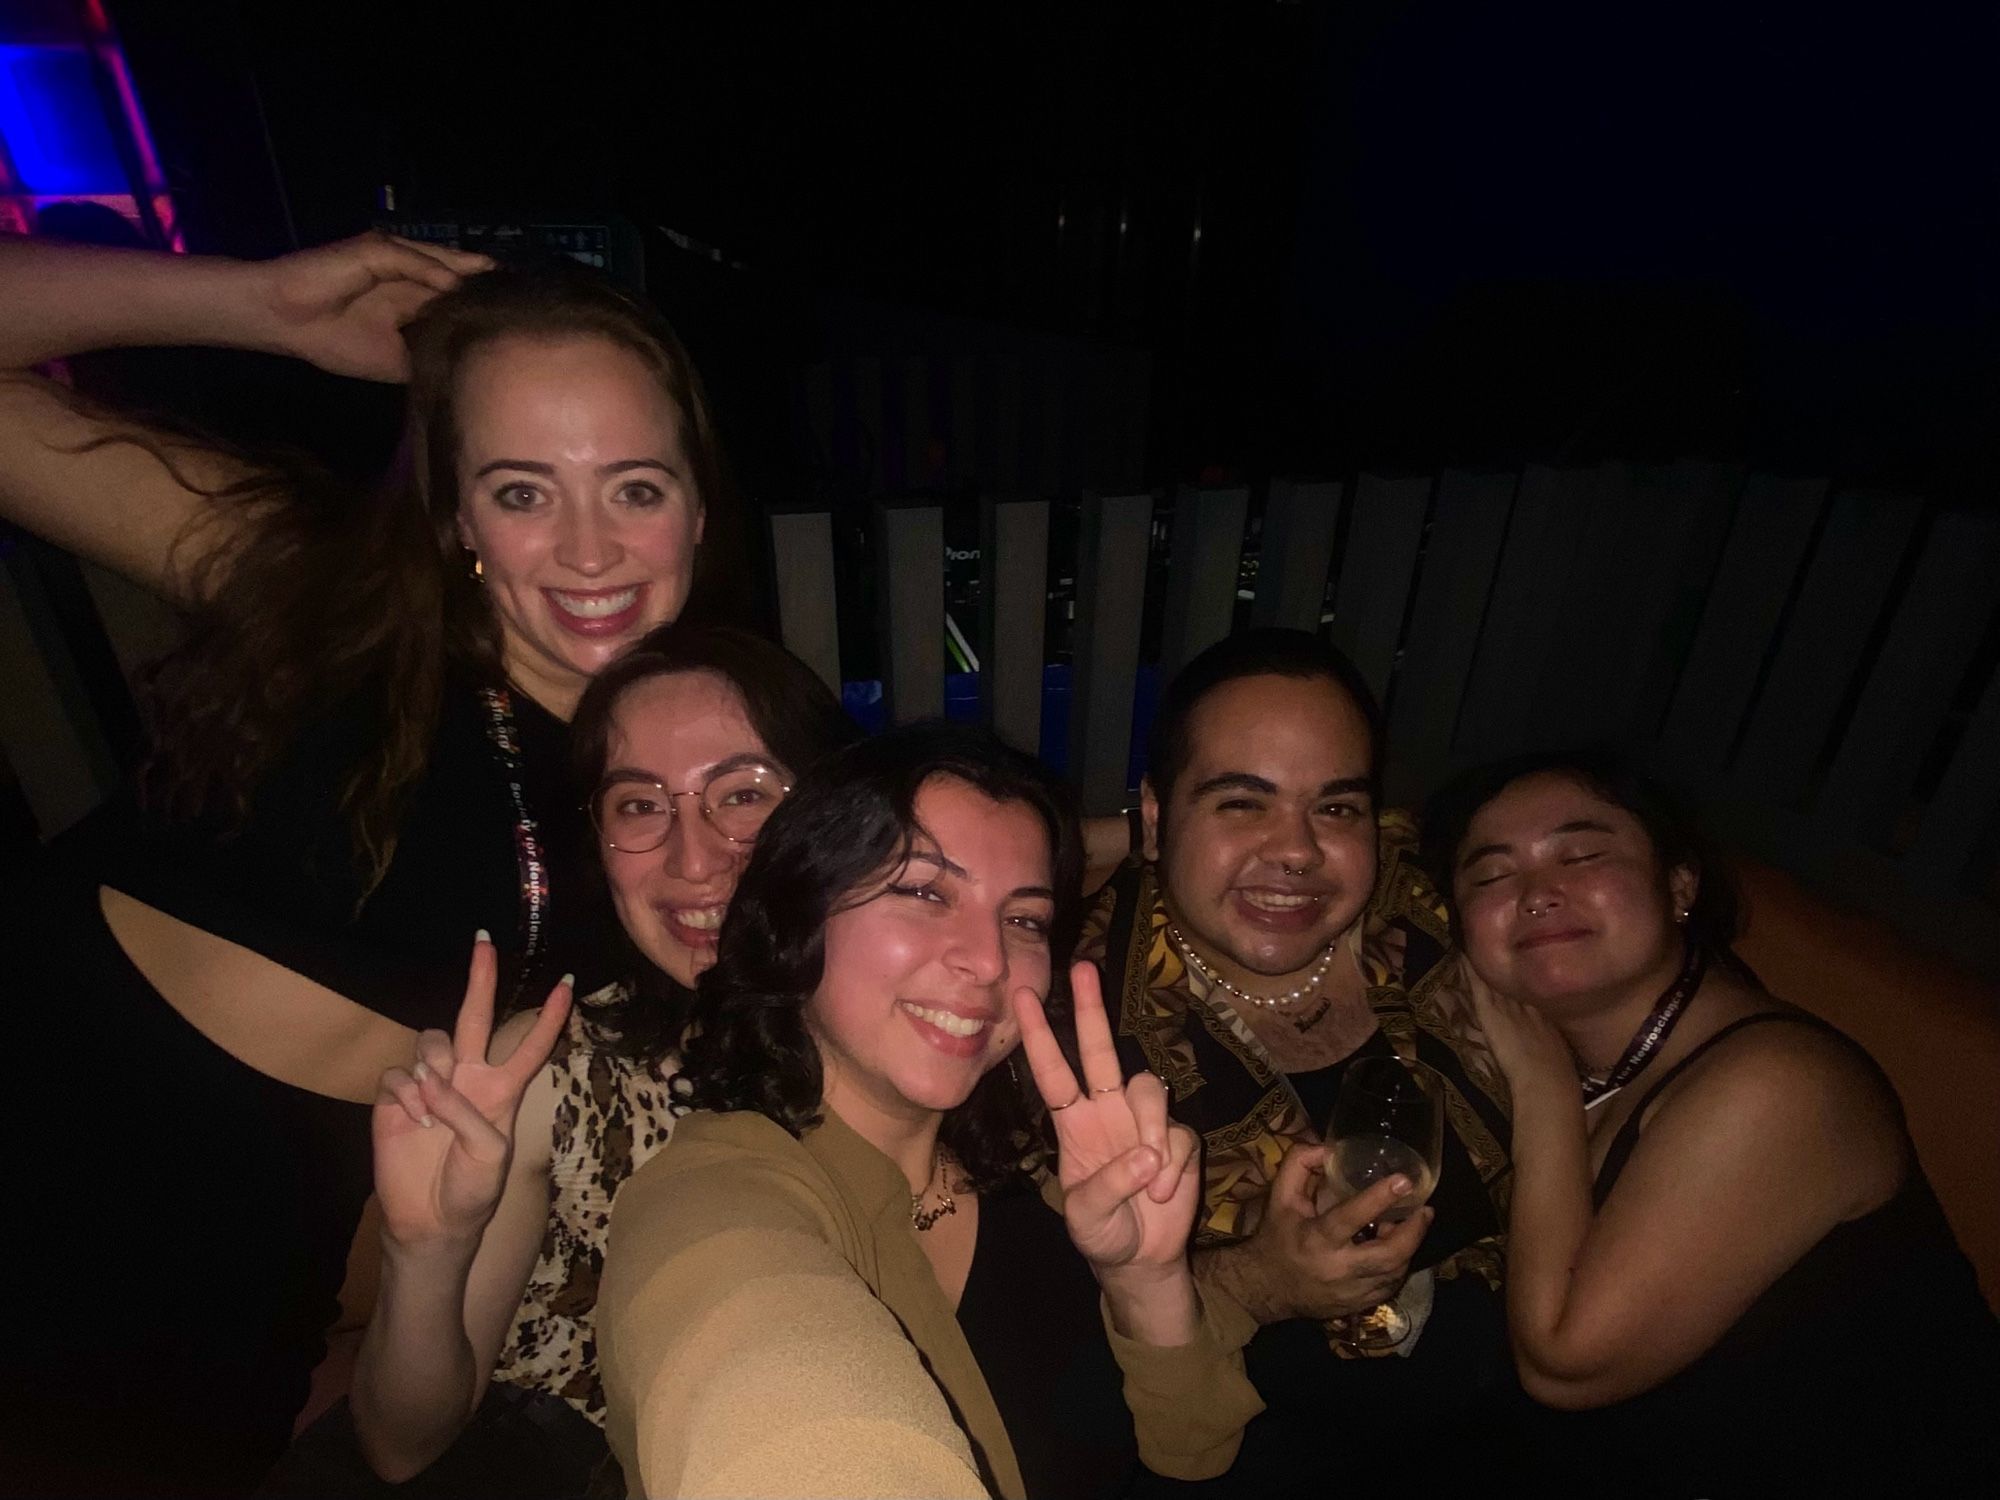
1627 1138
1871 1366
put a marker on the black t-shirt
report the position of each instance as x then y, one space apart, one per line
286 883
1456 1389
183 1221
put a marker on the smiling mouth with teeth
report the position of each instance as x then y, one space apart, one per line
595 606
946 1021
1278 901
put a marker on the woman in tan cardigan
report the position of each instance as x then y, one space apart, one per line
839 1277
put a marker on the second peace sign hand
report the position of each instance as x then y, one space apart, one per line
444 1128
1130 1178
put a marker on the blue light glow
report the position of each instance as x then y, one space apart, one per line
52 120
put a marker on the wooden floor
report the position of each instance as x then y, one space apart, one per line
1935 1029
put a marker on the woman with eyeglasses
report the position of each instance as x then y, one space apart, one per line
358 756
905 1245
498 1152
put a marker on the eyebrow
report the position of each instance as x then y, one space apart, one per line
1575 825
1582 825
935 857
1240 780
1345 784
1245 781
548 471
737 762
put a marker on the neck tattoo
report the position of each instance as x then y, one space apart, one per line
1307 1022
922 1218
1263 1002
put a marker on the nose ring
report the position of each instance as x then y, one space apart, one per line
1290 871
1534 910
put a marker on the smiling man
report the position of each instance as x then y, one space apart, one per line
1280 930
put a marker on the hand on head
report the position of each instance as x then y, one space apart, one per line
1524 1042
1131 1178
343 306
444 1128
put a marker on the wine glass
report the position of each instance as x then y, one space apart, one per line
1387 1119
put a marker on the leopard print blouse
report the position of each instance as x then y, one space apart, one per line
611 1116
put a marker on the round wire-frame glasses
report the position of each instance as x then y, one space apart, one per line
635 816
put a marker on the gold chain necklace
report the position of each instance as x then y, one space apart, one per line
922 1218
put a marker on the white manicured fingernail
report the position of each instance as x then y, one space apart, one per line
420 1072
482 936
568 979
427 1121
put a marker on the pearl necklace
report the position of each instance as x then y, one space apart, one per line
922 1218
1264 1002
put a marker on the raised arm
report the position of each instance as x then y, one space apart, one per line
110 489
1131 1182
463 1212
743 1355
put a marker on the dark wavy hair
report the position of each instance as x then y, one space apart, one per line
313 599
850 822
1713 916
795 715
1265 651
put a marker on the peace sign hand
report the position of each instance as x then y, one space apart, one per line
444 1128
1130 1178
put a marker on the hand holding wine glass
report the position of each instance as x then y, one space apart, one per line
1388 1123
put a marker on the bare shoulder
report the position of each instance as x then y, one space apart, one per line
1793 1088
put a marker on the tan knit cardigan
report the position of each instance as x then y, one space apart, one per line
769 1325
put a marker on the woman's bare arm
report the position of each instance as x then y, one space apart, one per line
129 505
444 1314
73 477
1744 1165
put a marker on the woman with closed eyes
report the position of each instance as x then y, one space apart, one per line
1726 1271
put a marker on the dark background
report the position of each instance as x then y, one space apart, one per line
1430 231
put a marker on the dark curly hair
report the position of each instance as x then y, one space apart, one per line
826 849
1712 922
793 712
